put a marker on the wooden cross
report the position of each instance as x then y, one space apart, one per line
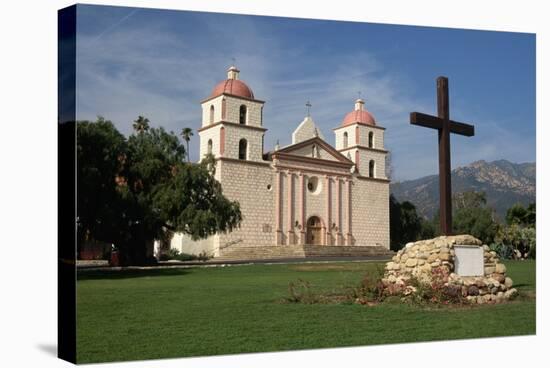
444 126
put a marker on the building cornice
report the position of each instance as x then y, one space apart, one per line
230 95
300 170
246 162
222 122
316 140
367 178
311 160
363 147
363 124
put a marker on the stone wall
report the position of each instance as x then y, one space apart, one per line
248 183
370 213
421 258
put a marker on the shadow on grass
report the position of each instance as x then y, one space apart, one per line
109 274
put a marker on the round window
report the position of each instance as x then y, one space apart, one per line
313 185
269 187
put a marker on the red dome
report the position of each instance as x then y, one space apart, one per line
233 87
358 116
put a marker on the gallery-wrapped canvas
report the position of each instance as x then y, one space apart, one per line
236 183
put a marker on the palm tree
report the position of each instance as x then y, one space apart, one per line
186 134
141 124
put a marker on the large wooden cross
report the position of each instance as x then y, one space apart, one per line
444 126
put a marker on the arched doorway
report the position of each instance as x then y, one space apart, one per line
314 230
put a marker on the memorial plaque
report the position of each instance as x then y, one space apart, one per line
468 260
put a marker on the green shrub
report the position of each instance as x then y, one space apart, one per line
435 292
517 237
504 251
174 254
301 293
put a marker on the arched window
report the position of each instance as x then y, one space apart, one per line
242 114
211 114
371 169
209 149
345 139
371 139
242 149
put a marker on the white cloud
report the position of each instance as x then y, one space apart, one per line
145 69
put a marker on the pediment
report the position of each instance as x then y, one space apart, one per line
314 148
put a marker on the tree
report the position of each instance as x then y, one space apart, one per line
141 124
186 134
469 199
472 216
477 221
519 215
405 224
100 159
156 191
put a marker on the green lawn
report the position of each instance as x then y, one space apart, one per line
207 311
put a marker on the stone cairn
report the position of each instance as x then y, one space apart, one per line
419 259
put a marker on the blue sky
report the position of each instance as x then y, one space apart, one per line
162 63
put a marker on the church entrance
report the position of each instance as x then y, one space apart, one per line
314 231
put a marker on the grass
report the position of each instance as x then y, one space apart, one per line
207 311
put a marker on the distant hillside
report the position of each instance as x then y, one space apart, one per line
505 183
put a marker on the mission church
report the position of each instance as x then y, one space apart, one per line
307 195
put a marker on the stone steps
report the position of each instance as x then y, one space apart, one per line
301 251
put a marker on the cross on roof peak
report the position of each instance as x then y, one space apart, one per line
308 105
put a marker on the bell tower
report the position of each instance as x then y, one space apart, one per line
361 139
232 121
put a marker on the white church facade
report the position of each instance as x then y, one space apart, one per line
308 193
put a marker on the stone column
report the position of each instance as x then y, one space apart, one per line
278 209
339 211
290 207
328 240
349 236
302 203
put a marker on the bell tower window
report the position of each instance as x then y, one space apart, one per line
209 148
242 149
371 140
345 139
211 114
242 114
371 169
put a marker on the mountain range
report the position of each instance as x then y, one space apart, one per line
504 183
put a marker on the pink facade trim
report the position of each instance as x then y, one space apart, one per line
278 207
329 211
290 207
339 207
222 141
349 210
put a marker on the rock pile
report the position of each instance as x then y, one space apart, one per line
422 258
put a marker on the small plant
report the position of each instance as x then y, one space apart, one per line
504 251
437 291
174 254
371 289
203 256
301 293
